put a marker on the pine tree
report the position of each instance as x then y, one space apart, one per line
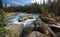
1 6
49 6
3 22
58 7
2 18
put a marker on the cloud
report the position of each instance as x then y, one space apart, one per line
38 1
33 1
28 2
22 2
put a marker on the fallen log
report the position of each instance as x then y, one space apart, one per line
49 29
55 26
46 28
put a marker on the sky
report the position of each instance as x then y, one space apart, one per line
21 2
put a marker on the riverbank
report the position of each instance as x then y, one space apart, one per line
11 14
44 22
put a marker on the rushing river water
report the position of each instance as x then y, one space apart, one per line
20 16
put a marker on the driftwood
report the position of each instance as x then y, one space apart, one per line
45 27
49 29
55 26
45 24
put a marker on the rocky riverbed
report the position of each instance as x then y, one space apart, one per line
41 27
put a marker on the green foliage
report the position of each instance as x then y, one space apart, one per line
33 7
4 32
50 6
3 24
2 12
3 20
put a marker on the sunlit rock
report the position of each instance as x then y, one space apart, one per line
39 22
16 29
37 34
27 17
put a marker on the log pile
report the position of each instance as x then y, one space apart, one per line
49 22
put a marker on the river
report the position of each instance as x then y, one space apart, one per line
14 20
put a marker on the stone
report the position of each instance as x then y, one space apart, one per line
27 17
36 34
39 22
16 29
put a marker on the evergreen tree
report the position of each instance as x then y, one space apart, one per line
2 18
1 6
58 7
3 22
49 6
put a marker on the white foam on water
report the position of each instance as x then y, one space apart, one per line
25 23
28 22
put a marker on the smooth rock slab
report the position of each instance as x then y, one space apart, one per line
36 34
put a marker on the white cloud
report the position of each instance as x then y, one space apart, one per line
23 2
27 2
39 1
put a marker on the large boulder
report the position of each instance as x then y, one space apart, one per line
16 29
36 34
39 22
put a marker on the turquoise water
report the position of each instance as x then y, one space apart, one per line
36 15
20 16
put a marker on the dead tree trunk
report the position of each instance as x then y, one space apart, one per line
49 29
